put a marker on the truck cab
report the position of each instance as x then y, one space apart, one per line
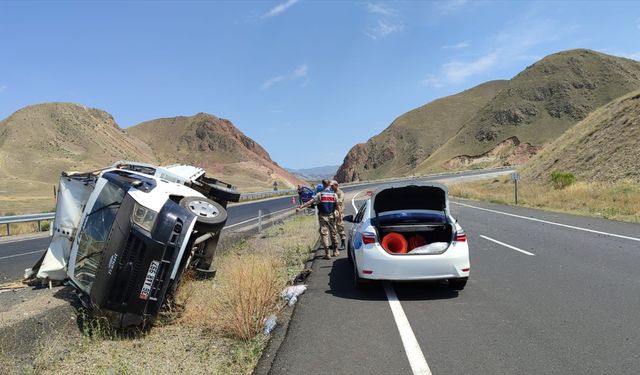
123 236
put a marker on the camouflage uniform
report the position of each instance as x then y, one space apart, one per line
325 202
338 214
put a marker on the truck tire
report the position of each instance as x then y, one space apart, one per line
224 193
210 215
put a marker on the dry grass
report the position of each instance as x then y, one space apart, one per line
24 228
616 201
245 294
220 329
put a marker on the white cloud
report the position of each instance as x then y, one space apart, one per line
458 71
514 43
449 6
383 9
279 9
456 46
301 71
272 81
3 88
383 29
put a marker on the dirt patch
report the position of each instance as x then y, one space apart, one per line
508 152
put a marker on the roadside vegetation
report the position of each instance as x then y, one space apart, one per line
218 324
616 200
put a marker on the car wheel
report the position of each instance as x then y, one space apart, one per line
457 284
210 215
358 282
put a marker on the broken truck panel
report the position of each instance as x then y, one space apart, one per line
73 193
124 235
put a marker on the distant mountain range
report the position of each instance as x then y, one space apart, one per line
316 173
498 122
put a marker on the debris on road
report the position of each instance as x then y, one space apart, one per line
270 323
291 294
11 287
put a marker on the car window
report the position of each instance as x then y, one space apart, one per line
360 213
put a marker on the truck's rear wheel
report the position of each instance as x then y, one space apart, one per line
210 215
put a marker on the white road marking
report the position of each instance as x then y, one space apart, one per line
256 218
353 203
550 222
416 358
507 245
19 255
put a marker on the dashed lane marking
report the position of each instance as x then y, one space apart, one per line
509 246
19 255
550 222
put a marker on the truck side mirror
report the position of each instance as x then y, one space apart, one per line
348 218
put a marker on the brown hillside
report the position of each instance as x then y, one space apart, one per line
39 141
603 147
415 135
216 145
538 105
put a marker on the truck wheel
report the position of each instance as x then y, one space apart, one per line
225 193
210 215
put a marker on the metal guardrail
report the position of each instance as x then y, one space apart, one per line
6 220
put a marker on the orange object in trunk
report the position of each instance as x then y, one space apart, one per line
416 241
395 243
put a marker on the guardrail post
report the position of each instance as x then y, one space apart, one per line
39 226
8 230
259 221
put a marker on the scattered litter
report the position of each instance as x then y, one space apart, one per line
302 276
432 248
28 272
291 293
270 324
11 287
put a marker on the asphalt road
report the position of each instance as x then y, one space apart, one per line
570 308
16 255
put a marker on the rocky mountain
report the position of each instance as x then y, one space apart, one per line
39 141
216 145
508 126
315 173
536 107
415 135
605 146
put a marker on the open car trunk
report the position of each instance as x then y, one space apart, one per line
413 220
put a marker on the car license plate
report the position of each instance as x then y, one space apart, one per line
148 281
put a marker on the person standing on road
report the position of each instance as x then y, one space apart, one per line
326 203
339 214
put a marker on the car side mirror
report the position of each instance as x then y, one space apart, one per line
348 218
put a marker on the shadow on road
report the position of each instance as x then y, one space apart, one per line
341 285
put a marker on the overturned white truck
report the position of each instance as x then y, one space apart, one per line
124 235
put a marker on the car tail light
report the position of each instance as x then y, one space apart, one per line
461 236
368 238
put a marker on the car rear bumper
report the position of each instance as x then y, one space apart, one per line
374 263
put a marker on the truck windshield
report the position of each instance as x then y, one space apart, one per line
95 232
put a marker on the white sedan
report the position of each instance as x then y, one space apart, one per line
405 232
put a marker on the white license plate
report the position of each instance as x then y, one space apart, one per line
148 281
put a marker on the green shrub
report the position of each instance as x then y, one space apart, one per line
561 180
45 226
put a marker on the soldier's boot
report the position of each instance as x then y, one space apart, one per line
336 253
342 243
326 254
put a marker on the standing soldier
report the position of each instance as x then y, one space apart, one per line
326 203
339 214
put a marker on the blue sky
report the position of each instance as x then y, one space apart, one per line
305 79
